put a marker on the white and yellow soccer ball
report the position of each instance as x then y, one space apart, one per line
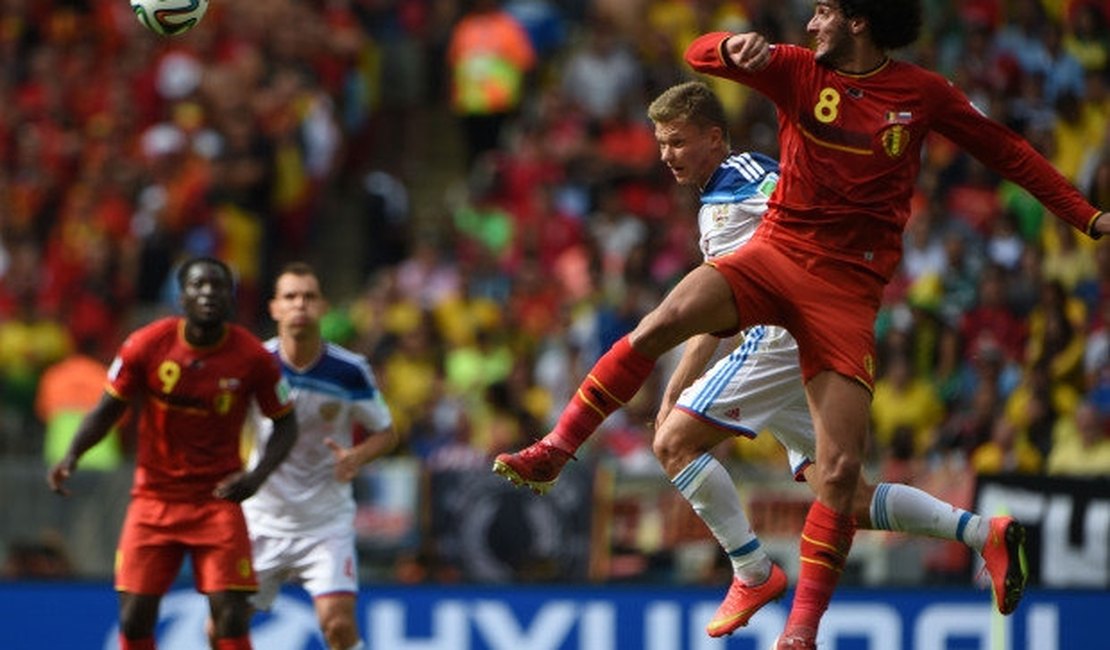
169 17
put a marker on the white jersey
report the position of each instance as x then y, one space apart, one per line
302 495
759 384
733 202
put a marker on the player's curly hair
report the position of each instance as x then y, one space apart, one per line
894 23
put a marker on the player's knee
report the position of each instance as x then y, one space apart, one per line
231 614
137 616
673 450
664 448
133 628
841 474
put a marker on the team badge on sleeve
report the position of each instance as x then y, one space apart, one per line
283 392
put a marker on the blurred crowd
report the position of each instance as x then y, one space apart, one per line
122 153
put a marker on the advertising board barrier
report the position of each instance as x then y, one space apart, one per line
61 615
1067 524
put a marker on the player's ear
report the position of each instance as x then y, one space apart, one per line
718 135
857 25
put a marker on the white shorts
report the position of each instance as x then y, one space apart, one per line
322 565
757 387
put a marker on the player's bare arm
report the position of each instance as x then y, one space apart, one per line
241 485
92 430
349 460
749 51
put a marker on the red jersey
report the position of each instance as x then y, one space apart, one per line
194 401
851 151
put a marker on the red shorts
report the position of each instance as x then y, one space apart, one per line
157 534
829 308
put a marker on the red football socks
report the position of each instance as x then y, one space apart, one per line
826 540
136 644
614 379
236 643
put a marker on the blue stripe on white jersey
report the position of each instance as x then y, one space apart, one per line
339 373
720 379
733 202
740 177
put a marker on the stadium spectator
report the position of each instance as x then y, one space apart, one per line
1036 403
1081 444
1006 452
31 339
903 399
1067 259
66 391
490 56
601 75
1086 40
991 318
1057 335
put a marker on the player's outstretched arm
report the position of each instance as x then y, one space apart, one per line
93 428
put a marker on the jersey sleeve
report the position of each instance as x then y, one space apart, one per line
1007 153
272 392
369 407
125 375
706 55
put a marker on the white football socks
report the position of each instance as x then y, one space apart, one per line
707 486
907 509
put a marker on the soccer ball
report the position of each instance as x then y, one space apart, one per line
169 17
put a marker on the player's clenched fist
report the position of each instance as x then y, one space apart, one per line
749 51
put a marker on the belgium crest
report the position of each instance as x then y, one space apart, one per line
895 139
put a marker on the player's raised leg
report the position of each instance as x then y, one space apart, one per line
701 302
